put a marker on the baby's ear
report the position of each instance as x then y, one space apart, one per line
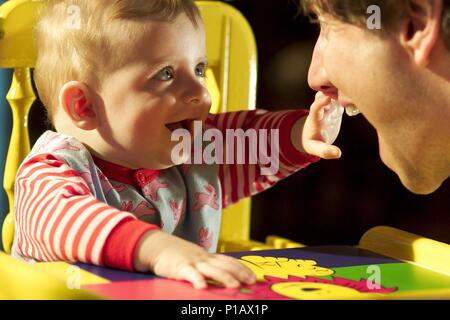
77 101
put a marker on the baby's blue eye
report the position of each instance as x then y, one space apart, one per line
165 74
200 70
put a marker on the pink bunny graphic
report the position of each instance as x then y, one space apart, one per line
151 189
126 206
142 209
205 238
107 186
203 199
177 210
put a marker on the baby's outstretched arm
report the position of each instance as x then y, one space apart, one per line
172 257
316 133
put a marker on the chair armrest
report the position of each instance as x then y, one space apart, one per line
282 243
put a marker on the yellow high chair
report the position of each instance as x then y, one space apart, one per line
231 79
232 82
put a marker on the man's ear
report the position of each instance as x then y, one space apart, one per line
422 28
77 101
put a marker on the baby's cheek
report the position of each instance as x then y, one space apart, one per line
145 117
148 130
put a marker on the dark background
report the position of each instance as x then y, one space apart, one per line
332 202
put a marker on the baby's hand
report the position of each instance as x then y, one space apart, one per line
172 257
322 127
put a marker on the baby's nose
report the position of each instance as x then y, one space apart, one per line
197 95
198 102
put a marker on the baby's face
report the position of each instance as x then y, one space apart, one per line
162 88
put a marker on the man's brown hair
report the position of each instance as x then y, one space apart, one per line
355 12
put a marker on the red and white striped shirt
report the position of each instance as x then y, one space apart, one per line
58 217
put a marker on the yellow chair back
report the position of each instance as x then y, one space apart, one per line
17 51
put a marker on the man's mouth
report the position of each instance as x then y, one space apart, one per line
350 108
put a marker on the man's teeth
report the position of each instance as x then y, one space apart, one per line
352 110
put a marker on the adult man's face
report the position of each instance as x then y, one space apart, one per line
396 83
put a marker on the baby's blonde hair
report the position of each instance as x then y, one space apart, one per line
71 34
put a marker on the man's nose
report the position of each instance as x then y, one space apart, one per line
317 76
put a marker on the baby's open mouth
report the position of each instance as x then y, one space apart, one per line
185 124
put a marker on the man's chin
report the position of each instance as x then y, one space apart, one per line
419 185
411 179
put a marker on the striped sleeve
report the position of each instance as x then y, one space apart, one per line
266 157
58 218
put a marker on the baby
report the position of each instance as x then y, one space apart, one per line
118 78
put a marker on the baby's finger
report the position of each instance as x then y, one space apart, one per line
216 273
321 102
236 268
318 109
319 95
323 150
189 273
